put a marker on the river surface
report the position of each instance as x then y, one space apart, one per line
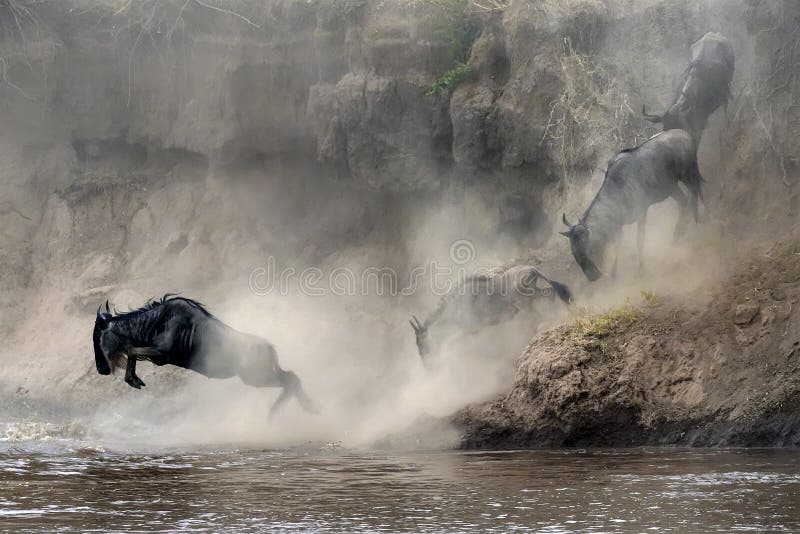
66 485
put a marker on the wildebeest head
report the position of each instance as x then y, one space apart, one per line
578 235
421 334
105 364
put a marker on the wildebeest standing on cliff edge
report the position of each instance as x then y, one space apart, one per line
705 86
180 331
635 179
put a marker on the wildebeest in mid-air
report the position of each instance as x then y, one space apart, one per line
485 300
635 179
704 87
180 331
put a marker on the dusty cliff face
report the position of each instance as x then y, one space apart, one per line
339 93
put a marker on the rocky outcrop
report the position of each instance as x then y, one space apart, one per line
724 371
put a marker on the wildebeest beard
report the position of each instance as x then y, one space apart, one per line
584 250
104 364
582 257
588 267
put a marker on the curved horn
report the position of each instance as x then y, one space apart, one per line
416 330
564 219
107 309
99 309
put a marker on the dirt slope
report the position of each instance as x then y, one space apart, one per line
723 371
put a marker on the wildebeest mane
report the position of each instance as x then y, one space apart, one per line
155 303
611 161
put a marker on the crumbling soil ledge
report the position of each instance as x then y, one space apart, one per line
725 372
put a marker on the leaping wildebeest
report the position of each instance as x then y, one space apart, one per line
635 179
182 332
485 300
705 86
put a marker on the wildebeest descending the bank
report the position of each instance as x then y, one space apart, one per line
704 87
485 300
635 179
180 331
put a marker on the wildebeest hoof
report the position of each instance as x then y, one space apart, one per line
135 382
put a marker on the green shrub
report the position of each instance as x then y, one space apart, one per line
449 80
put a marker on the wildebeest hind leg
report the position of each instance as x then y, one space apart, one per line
292 387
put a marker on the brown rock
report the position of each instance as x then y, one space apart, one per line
778 293
745 313
768 315
560 368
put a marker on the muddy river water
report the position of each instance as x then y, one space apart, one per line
63 485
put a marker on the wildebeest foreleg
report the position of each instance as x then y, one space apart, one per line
130 373
618 247
641 226
138 353
695 184
694 204
683 205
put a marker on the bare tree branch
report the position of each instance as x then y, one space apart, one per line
12 84
228 12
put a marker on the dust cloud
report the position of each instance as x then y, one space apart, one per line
121 204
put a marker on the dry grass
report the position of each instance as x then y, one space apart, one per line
27 42
762 99
478 6
489 6
592 114
602 325
649 298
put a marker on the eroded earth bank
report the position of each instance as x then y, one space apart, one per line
718 368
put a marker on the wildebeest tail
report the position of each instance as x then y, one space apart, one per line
561 290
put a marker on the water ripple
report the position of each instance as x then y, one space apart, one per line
641 490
